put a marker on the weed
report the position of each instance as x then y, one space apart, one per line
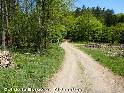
32 70
116 64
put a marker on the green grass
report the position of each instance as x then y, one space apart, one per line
116 64
33 70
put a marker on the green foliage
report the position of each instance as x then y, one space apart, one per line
24 32
113 34
120 17
85 27
35 25
119 32
95 24
32 71
69 22
58 33
106 35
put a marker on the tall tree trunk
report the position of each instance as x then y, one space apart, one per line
0 19
0 7
4 23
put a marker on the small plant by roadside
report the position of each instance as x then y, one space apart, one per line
31 70
114 63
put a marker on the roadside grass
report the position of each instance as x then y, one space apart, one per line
115 64
32 71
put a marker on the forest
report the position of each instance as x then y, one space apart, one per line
96 24
33 25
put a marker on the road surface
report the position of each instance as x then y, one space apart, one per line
82 74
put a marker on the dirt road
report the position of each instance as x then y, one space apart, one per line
81 74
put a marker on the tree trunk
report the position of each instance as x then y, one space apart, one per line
4 23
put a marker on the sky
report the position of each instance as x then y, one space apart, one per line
116 5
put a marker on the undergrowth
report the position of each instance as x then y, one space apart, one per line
32 70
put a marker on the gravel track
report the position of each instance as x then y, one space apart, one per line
82 74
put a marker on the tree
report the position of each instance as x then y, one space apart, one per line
4 14
85 27
34 24
50 14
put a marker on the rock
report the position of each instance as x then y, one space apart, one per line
122 46
93 45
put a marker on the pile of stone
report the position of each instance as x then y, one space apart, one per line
93 45
5 59
118 53
122 46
